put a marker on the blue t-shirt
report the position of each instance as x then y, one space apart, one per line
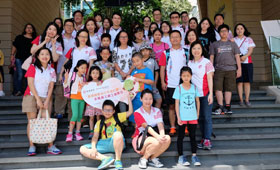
144 73
187 106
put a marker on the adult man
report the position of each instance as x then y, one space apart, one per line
175 24
219 20
115 29
157 16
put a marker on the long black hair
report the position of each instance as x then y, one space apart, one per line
117 42
150 33
186 37
246 32
34 33
95 68
210 30
94 22
77 40
59 39
202 48
37 62
60 29
80 62
185 69
167 23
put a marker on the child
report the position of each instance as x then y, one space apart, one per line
106 67
166 29
158 141
95 75
152 27
225 56
158 46
77 103
138 38
1 74
105 43
145 78
149 61
109 138
41 78
187 110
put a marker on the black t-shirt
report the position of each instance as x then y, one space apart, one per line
207 39
23 46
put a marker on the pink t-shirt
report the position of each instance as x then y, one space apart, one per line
159 49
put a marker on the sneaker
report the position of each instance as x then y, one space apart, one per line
90 135
31 151
2 94
227 110
59 116
69 138
142 164
105 163
195 161
241 103
186 131
78 137
172 131
118 165
218 111
182 160
54 150
85 126
207 144
248 104
155 163
200 145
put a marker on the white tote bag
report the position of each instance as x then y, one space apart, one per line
43 130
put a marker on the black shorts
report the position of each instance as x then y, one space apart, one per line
247 73
169 96
1 74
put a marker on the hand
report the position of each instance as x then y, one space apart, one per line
124 75
54 40
163 86
161 138
12 58
180 122
243 58
40 103
46 104
47 39
66 74
232 40
210 99
93 153
238 73
60 78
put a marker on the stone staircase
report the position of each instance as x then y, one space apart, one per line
248 139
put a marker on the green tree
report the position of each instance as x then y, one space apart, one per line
169 6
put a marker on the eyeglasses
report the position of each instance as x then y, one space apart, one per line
68 25
174 17
108 110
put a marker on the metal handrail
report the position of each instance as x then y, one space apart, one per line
277 54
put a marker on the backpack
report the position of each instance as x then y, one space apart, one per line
102 123
168 55
67 90
68 64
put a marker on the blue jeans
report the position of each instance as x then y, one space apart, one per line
18 76
205 117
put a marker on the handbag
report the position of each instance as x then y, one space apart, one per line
144 136
27 62
43 130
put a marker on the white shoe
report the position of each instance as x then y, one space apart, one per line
2 94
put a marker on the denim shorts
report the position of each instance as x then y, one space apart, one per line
105 145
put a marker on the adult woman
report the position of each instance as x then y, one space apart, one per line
146 22
193 23
191 36
106 25
206 33
202 78
20 52
149 118
59 23
152 27
166 29
246 46
92 28
49 39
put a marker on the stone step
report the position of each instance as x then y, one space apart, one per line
258 155
231 141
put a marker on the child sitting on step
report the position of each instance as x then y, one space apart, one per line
108 137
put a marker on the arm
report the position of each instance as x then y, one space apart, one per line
197 105
177 109
237 57
130 70
212 59
145 81
250 51
31 85
210 86
162 76
119 70
35 47
156 78
161 128
94 141
130 107
14 50
50 91
54 53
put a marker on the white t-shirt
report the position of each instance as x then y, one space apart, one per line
68 44
95 41
113 34
166 39
200 69
86 53
123 57
177 59
179 28
244 44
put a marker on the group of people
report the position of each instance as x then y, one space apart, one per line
182 64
